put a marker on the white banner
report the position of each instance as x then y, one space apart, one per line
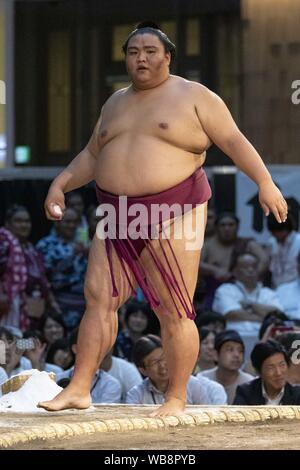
253 221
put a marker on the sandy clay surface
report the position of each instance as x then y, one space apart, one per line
277 434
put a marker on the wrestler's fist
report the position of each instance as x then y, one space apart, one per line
55 204
272 200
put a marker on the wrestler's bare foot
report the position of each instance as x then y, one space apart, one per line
66 399
173 406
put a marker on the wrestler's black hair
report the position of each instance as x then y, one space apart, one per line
151 28
12 210
143 347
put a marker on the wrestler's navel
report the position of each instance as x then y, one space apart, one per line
103 133
163 125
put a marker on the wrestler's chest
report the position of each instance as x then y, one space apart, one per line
166 121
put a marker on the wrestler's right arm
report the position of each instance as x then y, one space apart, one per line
79 172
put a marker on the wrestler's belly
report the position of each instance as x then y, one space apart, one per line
143 166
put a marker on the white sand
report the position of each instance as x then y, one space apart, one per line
39 387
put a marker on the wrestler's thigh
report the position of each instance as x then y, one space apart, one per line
98 283
186 234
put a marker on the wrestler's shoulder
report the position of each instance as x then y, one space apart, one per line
117 96
195 88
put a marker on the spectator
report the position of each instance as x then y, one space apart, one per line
37 356
66 262
213 321
52 327
270 322
220 250
15 360
60 354
149 358
271 361
74 200
136 322
105 388
22 272
245 302
230 357
284 248
207 353
122 370
289 295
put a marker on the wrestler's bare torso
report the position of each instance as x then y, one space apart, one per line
148 141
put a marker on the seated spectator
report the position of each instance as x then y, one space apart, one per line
207 356
149 358
122 370
230 357
74 200
272 319
37 356
221 249
60 355
291 342
52 327
66 262
15 360
216 392
136 323
105 388
22 272
289 295
245 302
283 248
213 321
271 362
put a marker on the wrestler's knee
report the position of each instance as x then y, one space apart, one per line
95 295
175 320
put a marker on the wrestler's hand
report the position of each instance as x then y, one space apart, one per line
55 203
271 199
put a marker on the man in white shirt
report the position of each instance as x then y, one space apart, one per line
149 357
246 301
289 295
284 248
230 357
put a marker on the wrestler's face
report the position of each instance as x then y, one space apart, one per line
147 61
155 367
231 356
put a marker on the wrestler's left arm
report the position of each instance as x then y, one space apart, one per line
220 127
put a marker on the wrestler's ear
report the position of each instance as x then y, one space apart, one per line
168 57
